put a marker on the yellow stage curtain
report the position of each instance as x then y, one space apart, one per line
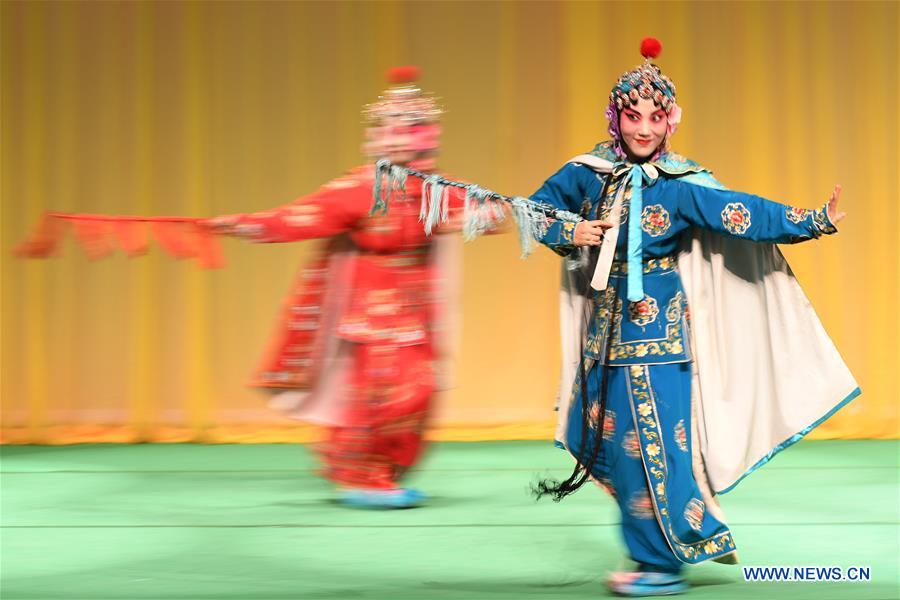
203 108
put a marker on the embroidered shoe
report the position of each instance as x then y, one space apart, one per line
373 498
645 583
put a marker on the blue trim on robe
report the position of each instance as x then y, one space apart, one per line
782 446
791 440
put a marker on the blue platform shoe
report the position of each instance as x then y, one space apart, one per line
369 498
646 583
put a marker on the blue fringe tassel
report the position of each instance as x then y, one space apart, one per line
434 191
483 209
532 223
382 168
397 181
481 212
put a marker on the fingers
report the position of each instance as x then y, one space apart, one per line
589 239
588 233
598 224
833 213
595 227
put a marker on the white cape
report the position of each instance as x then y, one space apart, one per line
765 371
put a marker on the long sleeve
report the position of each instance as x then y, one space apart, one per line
334 208
563 190
750 217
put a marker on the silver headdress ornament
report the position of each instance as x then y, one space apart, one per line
645 81
483 210
403 101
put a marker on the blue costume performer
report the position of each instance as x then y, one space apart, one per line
695 357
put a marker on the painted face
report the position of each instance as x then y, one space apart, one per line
643 127
402 143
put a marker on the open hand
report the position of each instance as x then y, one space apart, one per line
590 233
833 213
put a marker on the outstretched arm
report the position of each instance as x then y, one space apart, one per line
334 208
752 217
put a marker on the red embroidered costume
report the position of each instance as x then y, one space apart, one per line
356 345
357 327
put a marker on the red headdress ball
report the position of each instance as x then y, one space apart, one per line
651 47
407 74
403 99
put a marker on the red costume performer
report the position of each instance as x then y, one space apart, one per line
355 348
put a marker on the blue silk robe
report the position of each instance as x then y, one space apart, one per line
645 347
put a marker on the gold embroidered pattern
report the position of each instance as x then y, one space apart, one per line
606 202
795 215
736 218
822 222
650 438
644 311
649 434
655 220
626 207
565 241
673 343
675 308
610 199
666 263
604 305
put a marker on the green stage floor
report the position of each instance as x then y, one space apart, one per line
247 522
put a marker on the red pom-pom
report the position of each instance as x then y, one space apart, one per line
651 47
406 74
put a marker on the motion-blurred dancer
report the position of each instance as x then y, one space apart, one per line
361 332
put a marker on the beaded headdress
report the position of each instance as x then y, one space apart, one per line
403 101
644 81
